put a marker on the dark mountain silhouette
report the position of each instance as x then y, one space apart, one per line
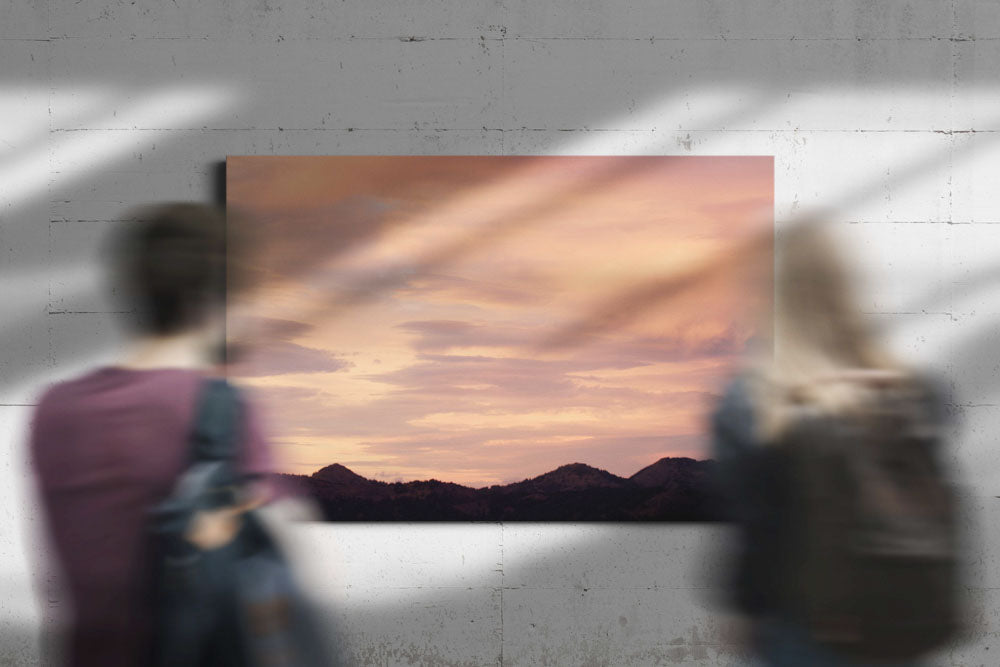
672 489
570 477
668 471
338 474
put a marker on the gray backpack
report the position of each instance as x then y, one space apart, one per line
873 570
233 606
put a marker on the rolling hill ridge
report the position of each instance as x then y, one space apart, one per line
671 489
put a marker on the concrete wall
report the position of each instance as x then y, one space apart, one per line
883 114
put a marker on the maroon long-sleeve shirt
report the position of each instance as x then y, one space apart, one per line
106 447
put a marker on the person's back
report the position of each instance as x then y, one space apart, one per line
848 534
827 451
106 447
109 445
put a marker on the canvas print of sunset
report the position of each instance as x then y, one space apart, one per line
495 338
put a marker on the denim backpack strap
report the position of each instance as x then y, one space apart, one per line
216 432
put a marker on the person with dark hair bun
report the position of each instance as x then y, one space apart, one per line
173 265
109 445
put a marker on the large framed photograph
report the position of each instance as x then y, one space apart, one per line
496 338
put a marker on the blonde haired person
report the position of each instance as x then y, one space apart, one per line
817 360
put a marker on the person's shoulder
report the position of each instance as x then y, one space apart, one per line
60 402
50 393
61 391
107 383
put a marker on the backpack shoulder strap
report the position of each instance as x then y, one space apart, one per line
218 415
210 474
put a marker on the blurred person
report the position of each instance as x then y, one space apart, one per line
830 469
111 445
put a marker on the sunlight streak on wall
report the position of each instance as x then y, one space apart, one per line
30 174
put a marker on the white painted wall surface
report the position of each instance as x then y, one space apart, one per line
885 114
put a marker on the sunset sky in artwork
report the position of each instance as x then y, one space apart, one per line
404 308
